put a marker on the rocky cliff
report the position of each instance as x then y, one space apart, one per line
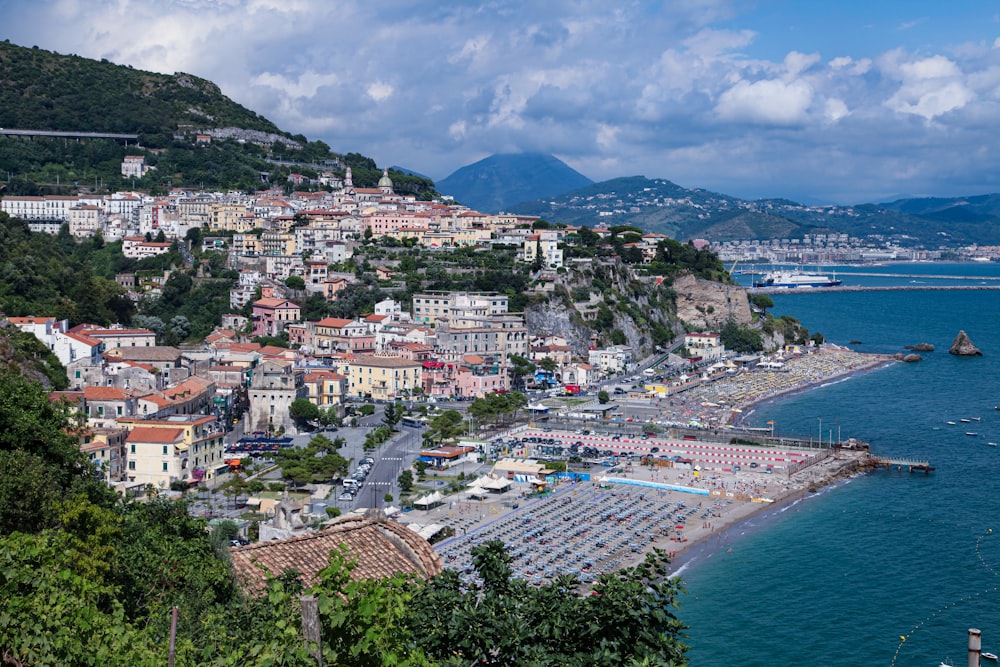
702 304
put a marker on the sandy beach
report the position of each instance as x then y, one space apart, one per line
611 520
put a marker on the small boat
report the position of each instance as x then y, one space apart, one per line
964 420
950 423
986 655
992 444
975 419
972 433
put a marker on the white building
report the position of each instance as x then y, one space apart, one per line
708 346
612 360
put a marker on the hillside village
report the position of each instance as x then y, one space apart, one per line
157 413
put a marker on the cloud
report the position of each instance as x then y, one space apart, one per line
706 92
771 102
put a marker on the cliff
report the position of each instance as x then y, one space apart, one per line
702 304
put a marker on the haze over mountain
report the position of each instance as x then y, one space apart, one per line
495 183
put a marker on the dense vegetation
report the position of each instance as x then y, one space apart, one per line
50 277
42 90
87 578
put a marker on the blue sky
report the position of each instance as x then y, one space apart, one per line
839 102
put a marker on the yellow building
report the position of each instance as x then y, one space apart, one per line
230 218
326 388
384 377
187 448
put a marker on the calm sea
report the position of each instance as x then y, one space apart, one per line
839 577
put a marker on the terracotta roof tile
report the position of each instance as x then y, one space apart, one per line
381 549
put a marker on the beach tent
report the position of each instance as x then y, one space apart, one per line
429 501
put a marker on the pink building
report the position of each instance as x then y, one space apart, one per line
271 315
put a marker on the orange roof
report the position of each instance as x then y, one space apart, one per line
274 302
157 435
106 394
333 322
161 401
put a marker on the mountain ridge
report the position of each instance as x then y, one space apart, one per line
495 182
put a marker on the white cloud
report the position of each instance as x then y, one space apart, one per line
770 102
379 91
835 109
305 84
668 89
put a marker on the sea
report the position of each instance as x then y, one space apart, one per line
887 568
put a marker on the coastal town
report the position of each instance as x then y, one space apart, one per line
661 422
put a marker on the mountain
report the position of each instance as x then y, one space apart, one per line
42 90
494 183
659 205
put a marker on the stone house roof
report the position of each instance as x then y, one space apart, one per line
381 548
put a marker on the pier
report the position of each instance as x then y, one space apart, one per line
872 288
913 465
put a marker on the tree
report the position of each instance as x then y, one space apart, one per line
629 619
603 397
295 283
302 409
405 481
762 301
392 415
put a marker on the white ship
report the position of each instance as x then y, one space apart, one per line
792 279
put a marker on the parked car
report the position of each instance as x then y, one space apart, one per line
345 496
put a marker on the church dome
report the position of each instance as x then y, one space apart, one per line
385 181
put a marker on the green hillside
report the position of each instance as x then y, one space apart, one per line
42 90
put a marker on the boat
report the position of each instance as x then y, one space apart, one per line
950 423
986 655
793 279
992 444
972 433
975 419
965 421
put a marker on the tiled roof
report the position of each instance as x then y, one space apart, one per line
381 548
106 394
153 353
155 435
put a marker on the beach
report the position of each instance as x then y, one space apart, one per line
692 505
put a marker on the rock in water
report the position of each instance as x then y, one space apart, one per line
963 347
910 358
923 347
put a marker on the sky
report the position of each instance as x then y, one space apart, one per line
812 100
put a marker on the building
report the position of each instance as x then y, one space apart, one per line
326 389
494 338
107 448
185 448
271 315
137 247
158 456
707 346
612 360
383 377
274 385
428 307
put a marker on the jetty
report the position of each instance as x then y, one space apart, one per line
913 465
868 288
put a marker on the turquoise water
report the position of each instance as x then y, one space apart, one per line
837 578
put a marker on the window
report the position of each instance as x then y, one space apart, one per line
165 464
131 465
133 449
164 449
